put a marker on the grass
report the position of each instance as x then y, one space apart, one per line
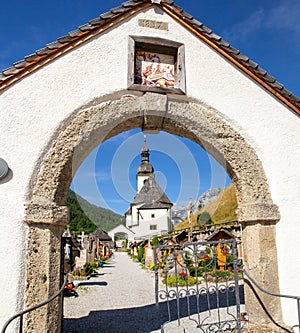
221 209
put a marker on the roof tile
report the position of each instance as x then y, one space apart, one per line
278 86
128 4
20 64
269 78
97 21
197 23
43 51
86 27
186 15
223 43
261 71
243 57
233 50
74 33
215 36
177 8
118 10
54 45
286 92
294 98
10 71
252 64
31 57
107 15
64 39
205 29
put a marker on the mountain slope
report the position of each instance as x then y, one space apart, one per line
87 217
180 213
221 209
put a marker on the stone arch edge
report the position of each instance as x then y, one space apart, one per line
45 210
177 115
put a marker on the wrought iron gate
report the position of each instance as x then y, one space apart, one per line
200 286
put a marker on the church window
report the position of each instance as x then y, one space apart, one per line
153 227
153 216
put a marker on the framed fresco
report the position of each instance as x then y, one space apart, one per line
154 69
156 64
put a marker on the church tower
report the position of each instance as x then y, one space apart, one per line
145 169
149 213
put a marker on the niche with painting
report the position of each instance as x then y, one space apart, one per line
157 65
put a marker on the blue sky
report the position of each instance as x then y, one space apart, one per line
266 30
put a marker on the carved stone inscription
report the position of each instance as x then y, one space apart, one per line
154 24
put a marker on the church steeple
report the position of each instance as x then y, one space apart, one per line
145 152
145 169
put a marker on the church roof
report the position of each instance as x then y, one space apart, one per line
151 194
220 234
116 15
101 235
155 205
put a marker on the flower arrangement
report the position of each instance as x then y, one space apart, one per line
86 270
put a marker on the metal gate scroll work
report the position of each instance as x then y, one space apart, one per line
200 286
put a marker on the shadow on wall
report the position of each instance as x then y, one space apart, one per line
143 319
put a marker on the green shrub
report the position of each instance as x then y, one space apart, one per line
89 269
141 252
207 264
172 281
229 260
221 274
155 241
204 218
196 272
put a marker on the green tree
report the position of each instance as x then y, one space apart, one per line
204 218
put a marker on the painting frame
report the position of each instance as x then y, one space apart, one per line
156 64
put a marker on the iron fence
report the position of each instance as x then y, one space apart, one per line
297 298
201 286
22 313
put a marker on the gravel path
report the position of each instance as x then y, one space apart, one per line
120 299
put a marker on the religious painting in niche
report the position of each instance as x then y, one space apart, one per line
154 69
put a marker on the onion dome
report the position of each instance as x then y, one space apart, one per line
145 167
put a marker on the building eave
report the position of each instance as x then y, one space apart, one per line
117 15
233 55
65 44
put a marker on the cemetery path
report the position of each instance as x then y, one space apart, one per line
120 299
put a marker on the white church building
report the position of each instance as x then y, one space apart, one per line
150 212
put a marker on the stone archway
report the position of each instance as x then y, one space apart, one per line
46 213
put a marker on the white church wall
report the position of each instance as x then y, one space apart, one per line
36 106
149 219
140 181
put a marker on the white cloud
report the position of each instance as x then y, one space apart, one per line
100 176
283 17
246 28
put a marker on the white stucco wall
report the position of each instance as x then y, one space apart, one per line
141 228
32 109
140 181
121 229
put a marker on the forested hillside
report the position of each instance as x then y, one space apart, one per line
87 217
